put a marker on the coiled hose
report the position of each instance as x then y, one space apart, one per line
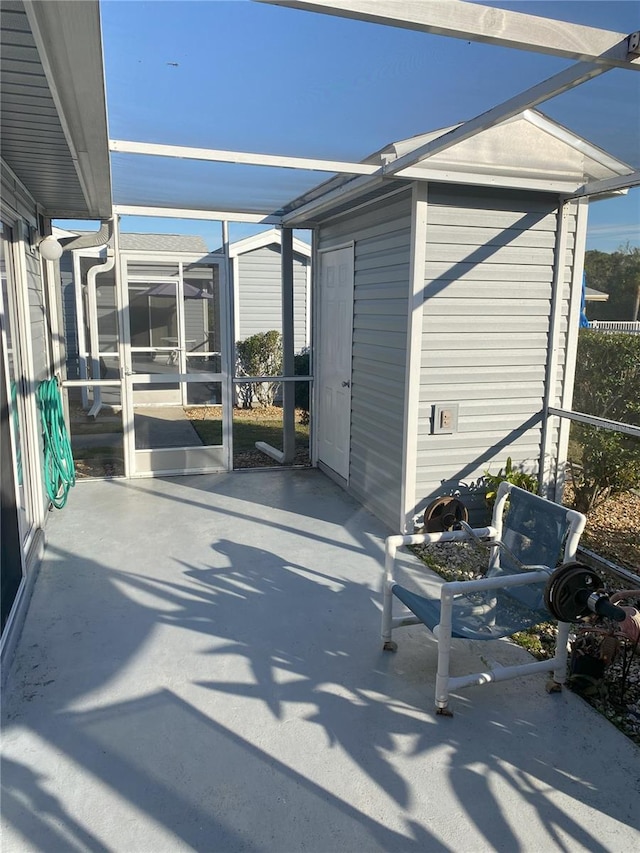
59 471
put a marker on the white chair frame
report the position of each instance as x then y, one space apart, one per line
445 683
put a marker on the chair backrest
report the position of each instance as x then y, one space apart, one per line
538 532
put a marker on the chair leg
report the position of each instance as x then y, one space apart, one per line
387 605
560 659
442 633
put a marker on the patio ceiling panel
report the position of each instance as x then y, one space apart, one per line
245 112
141 180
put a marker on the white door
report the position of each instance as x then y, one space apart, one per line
335 330
176 366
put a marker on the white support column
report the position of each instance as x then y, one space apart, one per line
288 361
124 353
571 342
415 309
547 464
228 307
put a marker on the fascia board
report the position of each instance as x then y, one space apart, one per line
306 216
68 37
598 155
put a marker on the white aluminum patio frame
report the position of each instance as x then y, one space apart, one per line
596 49
473 22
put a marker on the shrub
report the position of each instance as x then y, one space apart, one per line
516 476
301 368
259 355
607 385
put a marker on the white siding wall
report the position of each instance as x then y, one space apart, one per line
19 207
381 233
487 308
260 294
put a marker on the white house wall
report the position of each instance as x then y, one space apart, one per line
487 308
19 212
30 338
259 291
381 234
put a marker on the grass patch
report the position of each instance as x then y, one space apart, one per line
249 426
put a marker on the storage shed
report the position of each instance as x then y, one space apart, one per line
447 312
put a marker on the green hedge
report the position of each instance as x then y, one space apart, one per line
607 384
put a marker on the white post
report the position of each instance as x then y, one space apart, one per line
288 361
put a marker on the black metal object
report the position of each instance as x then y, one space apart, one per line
572 593
444 513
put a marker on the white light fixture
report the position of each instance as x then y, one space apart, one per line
50 249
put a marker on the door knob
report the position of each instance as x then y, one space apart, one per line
346 385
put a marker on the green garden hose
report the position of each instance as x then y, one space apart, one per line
59 471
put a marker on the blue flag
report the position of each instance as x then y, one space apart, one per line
584 323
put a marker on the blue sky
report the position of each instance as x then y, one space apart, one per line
252 77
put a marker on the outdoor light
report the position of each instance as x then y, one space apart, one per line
50 249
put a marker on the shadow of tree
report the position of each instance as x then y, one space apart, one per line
291 639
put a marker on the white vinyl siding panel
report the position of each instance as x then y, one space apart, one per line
381 234
37 319
259 290
485 339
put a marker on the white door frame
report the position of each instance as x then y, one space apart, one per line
140 463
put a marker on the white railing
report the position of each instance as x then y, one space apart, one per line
631 327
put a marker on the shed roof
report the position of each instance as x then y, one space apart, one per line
272 237
527 152
53 113
163 243
593 295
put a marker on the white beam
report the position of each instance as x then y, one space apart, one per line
474 22
184 213
608 185
242 157
549 88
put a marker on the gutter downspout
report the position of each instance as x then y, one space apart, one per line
103 237
94 340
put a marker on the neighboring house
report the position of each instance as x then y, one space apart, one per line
256 281
593 295
74 267
448 313
257 286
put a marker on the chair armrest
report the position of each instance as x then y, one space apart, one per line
392 543
538 575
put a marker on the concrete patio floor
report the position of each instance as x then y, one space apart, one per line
201 669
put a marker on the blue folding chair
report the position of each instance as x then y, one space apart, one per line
528 538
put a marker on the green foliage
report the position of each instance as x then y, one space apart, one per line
607 382
618 274
259 355
516 476
607 385
301 368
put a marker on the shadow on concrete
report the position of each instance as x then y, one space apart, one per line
229 693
